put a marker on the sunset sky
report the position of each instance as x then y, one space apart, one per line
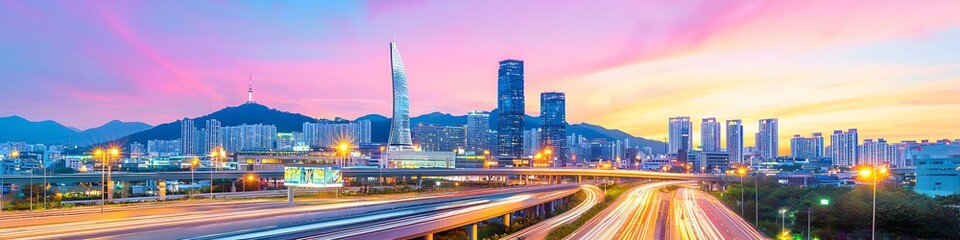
888 68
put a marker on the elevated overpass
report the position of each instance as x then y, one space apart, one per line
365 173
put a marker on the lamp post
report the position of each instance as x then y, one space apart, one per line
344 149
756 200
742 172
108 158
193 170
214 153
873 173
99 153
382 165
783 218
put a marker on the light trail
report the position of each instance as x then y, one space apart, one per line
697 215
627 218
540 230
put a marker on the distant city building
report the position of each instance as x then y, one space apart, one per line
285 141
420 159
213 138
427 136
768 138
553 111
256 137
531 141
735 140
938 169
399 138
843 147
188 137
807 147
879 152
478 130
680 129
510 105
710 135
329 133
163 148
453 138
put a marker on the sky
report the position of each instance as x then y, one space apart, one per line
889 68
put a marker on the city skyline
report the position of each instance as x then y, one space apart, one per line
835 80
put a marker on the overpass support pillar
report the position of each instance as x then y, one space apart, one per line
579 178
506 220
110 189
289 194
429 236
161 190
126 189
472 231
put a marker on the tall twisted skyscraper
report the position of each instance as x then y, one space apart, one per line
400 123
510 105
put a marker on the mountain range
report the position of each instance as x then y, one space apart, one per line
18 129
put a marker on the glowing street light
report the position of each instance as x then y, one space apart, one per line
873 174
215 154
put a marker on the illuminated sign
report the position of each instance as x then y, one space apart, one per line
319 177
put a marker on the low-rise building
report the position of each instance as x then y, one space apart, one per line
938 169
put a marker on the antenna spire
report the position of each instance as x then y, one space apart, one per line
250 90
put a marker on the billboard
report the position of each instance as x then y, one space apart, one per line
319 177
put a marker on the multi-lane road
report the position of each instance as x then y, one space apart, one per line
593 196
632 216
642 212
697 215
262 218
646 212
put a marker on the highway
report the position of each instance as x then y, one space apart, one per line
409 222
698 215
241 217
230 174
632 216
540 230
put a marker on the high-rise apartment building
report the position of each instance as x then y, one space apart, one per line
212 137
531 141
710 135
735 140
843 147
163 148
807 147
188 137
453 138
768 139
553 111
511 108
399 138
427 136
879 152
329 133
478 128
680 129
255 137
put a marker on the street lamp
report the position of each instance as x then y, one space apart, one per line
344 149
193 169
873 173
742 172
214 154
783 218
